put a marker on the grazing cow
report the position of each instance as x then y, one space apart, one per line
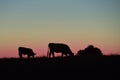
59 48
25 51
90 50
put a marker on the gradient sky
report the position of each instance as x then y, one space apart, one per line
78 23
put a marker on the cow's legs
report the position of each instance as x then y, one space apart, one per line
53 54
64 54
33 56
28 56
20 54
50 54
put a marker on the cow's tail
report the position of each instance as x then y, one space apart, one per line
48 52
19 52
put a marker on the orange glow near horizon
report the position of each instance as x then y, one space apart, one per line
41 49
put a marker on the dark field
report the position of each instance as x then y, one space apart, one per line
77 67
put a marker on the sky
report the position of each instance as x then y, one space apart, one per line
77 23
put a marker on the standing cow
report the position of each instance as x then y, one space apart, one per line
59 48
25 51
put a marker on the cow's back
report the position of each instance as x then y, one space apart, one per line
24 50
59 47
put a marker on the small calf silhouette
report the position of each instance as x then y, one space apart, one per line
25 51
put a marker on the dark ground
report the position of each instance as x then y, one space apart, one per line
77 67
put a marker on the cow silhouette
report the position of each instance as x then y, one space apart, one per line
90 50
59 48
25 51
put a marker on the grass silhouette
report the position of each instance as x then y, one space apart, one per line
63 67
